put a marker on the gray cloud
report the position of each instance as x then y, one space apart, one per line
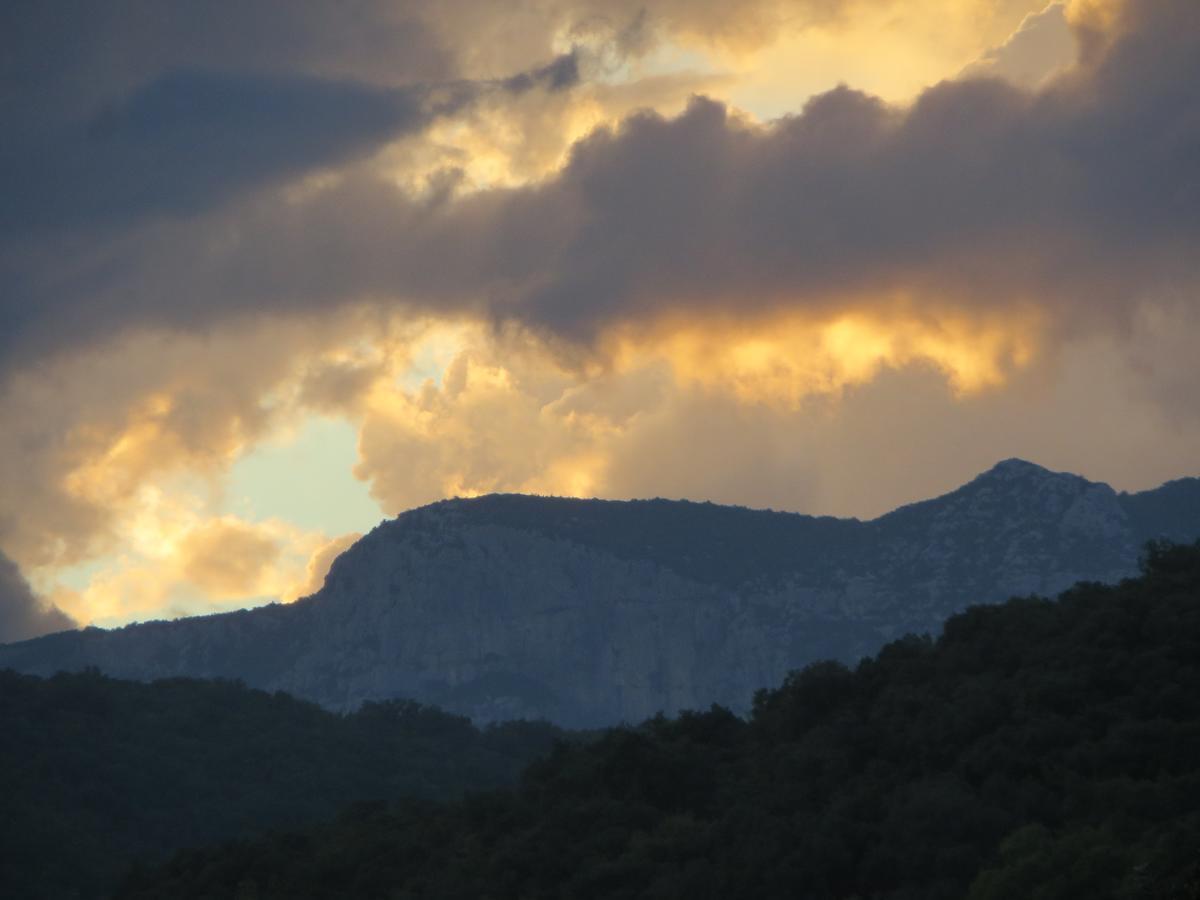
192 139
22 614
1082 198
116 110
558 75
64 61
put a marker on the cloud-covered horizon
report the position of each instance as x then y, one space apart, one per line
544 254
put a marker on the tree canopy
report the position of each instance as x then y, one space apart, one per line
1036 749
96 773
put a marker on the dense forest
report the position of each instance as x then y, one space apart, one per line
1037 749
96 773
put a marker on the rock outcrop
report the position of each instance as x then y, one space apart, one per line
590 612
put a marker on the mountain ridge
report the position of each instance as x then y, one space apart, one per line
589 612
1036 749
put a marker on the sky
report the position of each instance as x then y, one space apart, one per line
276 270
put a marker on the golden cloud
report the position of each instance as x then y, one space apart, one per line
773 411
764 58
791 414
227 558
787 358
176 561
508 413
506 141
96 433
318 566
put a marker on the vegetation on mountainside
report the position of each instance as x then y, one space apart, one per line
1037 749
96 773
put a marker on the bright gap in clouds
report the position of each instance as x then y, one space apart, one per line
892 52
306 480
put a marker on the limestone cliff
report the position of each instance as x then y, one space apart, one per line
590 612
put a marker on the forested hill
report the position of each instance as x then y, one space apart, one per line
1038 749
97 773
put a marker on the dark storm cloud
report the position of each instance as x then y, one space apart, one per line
64 61
117 110
558 75
1081 198
190 140
120 110
105 143
22 614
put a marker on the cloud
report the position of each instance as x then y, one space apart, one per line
125 450
318 565
22 614
482 426
65 62
500 420
225 557
457 408
981 196
1043 46
70 61
486 40
136 108
558 75
507 140
192 139
177 559
228 558
686 302
102 434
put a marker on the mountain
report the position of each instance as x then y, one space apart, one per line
590 612
1037 750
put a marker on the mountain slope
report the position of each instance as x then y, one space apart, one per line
1036 750
590 612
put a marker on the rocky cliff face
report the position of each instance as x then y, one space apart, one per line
591 612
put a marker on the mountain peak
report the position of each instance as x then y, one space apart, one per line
1015 470
1015 466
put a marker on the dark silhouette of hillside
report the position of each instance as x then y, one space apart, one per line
1037 749
95 773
